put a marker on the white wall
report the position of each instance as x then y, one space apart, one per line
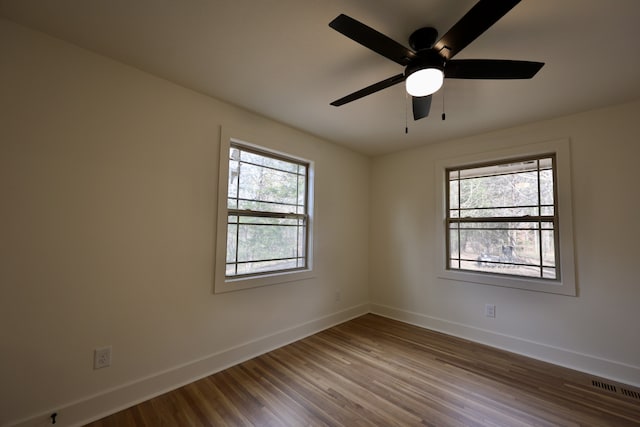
108 182
597 331
108 187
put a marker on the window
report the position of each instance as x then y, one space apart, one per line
264 225
501 218
267 213
505 218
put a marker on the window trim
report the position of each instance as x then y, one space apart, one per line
565 285
222 283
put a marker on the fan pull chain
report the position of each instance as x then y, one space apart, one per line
444 116
406 122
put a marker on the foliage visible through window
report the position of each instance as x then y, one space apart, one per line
502 218
267 213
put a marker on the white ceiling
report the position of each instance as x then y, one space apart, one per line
279 58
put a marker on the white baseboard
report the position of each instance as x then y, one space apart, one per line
616 371
110 401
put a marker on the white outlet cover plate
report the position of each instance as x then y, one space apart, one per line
102 357
490 310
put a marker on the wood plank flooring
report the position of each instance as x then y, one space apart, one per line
373 371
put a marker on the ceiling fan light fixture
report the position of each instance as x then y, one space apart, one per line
425 62
424 81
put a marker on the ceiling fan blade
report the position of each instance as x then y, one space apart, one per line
372 39
481 16
421 106
491 69
369 90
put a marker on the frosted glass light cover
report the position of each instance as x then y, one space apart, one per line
424 82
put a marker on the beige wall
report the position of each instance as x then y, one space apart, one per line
108 183
598 330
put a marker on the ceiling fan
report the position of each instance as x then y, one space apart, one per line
428 61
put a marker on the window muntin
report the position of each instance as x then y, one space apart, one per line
267 211
501 218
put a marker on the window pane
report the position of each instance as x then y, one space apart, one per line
302 181
549 273
265 242
231 270
489 267
266 266
454 203
256 220
500 244
510 190
546 187
232 242
302 238
547 211
498 225
548 248
498 212
454 244
266 161
268 189
234 170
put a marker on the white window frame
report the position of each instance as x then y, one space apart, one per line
228 284
566 284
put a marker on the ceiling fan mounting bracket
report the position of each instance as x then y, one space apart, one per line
423 38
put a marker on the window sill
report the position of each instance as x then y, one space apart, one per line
517 282
224 284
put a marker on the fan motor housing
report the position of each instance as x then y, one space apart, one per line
426 59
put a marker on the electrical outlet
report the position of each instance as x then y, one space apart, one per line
102 357
490 310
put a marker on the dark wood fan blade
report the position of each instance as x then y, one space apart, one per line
372 39
491 69
369 90
421 106
481 16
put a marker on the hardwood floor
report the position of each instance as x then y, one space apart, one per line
374 371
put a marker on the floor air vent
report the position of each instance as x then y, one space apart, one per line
630 393
627 392
604 386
